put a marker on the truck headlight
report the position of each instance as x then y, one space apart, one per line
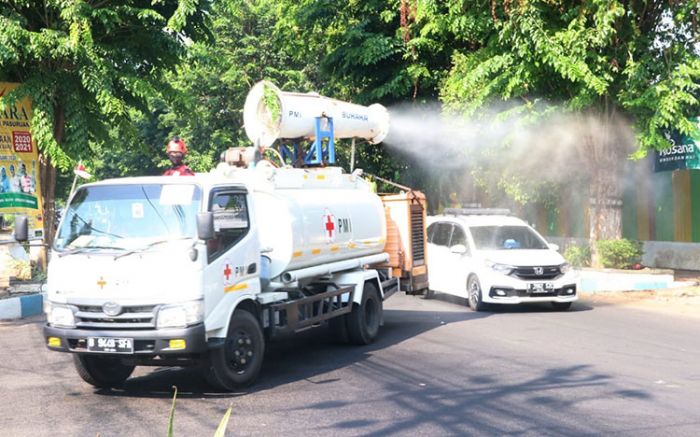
180 315
59 316
505 269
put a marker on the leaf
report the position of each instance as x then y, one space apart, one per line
221 429
171 418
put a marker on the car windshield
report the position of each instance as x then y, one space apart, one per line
506 238
128 217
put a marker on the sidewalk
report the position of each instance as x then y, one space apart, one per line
21 300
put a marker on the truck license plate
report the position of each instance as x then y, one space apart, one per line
110 345
540 287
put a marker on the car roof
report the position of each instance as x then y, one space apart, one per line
480 220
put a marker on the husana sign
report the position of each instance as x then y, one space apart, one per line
683 154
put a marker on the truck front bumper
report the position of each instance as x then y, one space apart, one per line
147 343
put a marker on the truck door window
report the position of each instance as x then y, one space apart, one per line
231 221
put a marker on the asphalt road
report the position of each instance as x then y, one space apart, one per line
437 369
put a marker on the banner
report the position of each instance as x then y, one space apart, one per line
20 191
684 152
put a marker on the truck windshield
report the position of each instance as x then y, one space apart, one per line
506 237
126 217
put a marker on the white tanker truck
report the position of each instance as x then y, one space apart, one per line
203 270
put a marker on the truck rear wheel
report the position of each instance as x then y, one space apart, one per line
238 362
102 372
363 321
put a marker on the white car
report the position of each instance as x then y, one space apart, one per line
490 257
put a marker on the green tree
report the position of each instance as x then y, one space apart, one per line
86 66
602 60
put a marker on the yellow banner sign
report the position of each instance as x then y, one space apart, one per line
20 191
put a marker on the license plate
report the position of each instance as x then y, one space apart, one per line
110 345
540 287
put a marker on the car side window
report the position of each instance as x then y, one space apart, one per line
459 237
442 234
231 222
431 231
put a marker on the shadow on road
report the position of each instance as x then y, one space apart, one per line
299 357
540 307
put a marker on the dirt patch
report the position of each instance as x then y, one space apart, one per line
677 301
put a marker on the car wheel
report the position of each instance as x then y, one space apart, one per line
474 293
561 306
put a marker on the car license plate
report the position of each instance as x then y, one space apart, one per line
110 345
540 287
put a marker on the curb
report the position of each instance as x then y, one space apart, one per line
21 306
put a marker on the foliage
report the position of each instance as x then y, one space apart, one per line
85 66
578 256
220 430
619 254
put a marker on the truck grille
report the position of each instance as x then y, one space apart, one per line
417 235
535 274
134 317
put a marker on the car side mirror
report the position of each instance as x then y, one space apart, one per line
554 247
459 249
205 225
21 228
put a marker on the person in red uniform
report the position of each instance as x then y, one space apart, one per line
176 151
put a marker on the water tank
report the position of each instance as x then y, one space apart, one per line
269 114
307 218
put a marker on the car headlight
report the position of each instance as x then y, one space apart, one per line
505 269
181 315
565 268
59 316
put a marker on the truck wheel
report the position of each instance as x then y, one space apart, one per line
561 306
238 362
363 321
102 372
474 290
429 294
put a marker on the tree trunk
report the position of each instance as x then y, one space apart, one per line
48 181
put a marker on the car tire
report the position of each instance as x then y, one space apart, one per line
237 364
561 306
102 372
474 294
364 320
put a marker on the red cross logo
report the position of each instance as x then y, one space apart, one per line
329 225
227 272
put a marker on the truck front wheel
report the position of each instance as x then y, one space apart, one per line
102 372
238 362
363 321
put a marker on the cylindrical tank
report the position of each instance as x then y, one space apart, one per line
311 218
269 114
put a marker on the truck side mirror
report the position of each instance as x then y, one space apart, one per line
21 228
205 225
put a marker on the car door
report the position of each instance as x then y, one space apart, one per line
457 262
438 254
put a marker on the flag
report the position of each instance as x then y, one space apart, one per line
80 171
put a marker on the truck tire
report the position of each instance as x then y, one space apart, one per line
102 372
237 364
363 322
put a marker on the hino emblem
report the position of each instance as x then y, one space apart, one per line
112 309
539 271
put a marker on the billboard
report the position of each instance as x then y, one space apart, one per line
684 152
20 191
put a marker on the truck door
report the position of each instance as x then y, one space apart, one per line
233 254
